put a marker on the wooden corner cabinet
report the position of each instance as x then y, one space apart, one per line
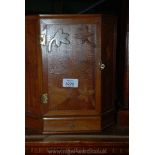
70 73
70 86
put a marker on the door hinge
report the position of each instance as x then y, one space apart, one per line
43 39
44 98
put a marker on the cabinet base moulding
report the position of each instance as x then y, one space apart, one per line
72 124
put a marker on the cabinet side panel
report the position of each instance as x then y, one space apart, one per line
108 76
32 75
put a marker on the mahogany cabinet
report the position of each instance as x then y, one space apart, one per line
70 73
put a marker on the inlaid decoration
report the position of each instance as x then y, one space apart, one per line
56 40
59 38
84 35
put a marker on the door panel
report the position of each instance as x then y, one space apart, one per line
72 49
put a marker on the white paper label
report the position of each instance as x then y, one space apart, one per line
71 83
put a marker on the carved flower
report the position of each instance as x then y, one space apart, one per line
58 39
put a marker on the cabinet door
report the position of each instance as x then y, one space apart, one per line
71 54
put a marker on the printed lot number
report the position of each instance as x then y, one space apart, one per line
71 83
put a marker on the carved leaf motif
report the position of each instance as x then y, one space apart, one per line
84 35
59 38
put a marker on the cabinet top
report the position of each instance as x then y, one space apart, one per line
68 15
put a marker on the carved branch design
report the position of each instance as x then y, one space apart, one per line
59 38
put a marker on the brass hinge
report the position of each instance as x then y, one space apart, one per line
43 37
44 98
